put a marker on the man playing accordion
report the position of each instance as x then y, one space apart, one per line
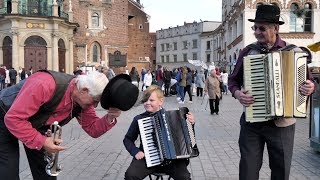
277 134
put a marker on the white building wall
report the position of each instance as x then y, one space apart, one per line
244 28
179 34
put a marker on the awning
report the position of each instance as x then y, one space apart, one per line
315 47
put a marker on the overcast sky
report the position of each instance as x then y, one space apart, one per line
166 13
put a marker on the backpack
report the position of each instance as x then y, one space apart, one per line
8 95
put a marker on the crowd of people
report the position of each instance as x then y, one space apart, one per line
8 76
184 81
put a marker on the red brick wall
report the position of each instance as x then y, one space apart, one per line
153 45
139 39
115 19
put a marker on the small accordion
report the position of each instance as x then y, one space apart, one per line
166 136
273 80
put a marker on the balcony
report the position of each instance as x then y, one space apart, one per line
41 9
35 11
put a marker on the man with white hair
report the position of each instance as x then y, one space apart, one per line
40 102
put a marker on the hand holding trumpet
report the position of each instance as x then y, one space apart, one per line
52 145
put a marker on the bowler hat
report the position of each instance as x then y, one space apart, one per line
119 93
267 13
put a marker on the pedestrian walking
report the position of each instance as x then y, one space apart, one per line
134 75
200 80
224 79
212 88
188 89
147 81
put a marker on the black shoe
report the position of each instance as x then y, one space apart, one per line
217 113
211 113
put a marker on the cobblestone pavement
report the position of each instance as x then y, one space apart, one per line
105 158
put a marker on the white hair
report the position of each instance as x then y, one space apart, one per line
95 82
212 70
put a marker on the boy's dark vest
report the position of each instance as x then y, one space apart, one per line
38 120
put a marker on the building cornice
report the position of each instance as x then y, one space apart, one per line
235 42
297 35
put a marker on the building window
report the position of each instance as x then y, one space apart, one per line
185 45
208 45
194 43
162 47
95 20
140 26
167 58
175 58
300 19
162 59
308 17
167 47
194 56
95 53
175 46
185 57
208 57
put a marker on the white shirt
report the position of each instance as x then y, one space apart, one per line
224 78
147 79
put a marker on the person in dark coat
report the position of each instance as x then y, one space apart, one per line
13 76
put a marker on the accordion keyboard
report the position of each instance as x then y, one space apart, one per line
147 133
274 80
255 68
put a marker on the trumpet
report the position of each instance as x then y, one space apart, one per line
53 168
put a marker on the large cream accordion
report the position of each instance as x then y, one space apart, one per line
273 80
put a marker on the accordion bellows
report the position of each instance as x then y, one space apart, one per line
274 79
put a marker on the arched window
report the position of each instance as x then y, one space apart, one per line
35 41
9 7
300 19
95 20
308 17
95 53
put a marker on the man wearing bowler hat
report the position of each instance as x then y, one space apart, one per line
277 134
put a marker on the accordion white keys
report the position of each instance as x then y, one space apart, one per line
273 80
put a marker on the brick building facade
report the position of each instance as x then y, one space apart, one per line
139 39
106 27
74 33
103 29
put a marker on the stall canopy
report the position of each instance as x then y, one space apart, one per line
198 63
315 47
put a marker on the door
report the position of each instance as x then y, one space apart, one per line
7 52
35 53
35 57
